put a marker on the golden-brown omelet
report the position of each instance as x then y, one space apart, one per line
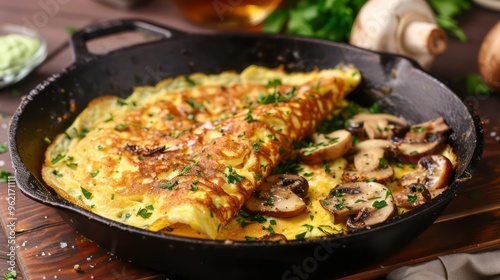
192 149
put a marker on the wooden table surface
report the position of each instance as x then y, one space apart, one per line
47 248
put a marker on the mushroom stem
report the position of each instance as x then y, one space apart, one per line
404 27
424 38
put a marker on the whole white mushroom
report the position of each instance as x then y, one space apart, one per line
489 58
404 27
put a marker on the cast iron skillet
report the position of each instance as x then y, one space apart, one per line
396 83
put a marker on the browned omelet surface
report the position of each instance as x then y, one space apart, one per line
190 150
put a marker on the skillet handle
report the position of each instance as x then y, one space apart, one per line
80 38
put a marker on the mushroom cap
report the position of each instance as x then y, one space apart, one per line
327 147
346 201
382 25
279 196
489 58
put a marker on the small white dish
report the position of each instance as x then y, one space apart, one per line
13 71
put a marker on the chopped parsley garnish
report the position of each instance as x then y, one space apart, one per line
275 96
355 140
289 166
249 118
169 185
189 81
86 193
379 204
241 220
121 102
169 117
145 212
374 109
194 186
243 214
301 236
339 206
326 167
258 176
381 162
110 118
274 83
308 227
270 229
321 228
176 134
72 164
272 137
94 174
250 238
233 177
56 173
412 198
57 158
256 146
387 194
121 126
185 170
194 105
258 218
270 202
47 140
80 134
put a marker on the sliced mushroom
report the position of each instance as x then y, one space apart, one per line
327 147
427 131
431 178
275 237
279 196
376 126
412 196
368 154
423 139
359 204
382 175
413 152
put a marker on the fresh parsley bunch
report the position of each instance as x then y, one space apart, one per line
333 19
326 19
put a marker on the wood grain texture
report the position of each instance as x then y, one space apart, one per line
48 247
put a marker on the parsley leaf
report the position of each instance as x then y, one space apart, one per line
4 176
86 193
446 10
144 212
